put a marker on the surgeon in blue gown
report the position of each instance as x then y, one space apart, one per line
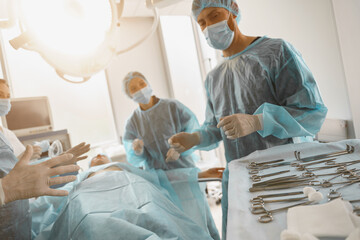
151 125
262 94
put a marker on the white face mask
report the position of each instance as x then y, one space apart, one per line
143 95
5 106
219 35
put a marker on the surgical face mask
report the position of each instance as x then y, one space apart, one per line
219 35
5 106
143 95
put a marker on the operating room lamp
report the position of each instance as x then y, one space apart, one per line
78 38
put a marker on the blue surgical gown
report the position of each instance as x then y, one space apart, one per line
155 126
269 77
15 218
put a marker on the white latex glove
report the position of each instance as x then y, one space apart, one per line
26 181
138 146
183 141
172 155
240 125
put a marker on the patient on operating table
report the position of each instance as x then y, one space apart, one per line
103 159
119 201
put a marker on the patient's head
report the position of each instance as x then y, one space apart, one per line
99 160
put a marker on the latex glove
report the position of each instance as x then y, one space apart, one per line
240 125
212 173
172 155
77 153
183 141
36 152
26 181
138 146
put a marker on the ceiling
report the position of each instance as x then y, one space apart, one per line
137 8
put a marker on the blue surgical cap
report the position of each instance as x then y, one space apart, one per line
128 78
230 5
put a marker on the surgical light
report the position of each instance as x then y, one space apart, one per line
77 37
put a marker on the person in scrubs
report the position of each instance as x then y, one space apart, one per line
262 94
151 125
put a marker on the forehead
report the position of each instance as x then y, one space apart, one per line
136 81
210 10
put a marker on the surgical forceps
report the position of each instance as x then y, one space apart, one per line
262 202
262 197
257 164
283 186
267 217
340 167
349 149
343 172
256 170
283 180
257 178
302 167
334 193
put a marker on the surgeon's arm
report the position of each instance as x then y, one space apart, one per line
204 138
301 111
130 136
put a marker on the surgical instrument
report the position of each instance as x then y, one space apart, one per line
257 178
267 217
262 202
334 193
283 186
327 162
256 164
344 172
258 169
349 149
261 197
283 180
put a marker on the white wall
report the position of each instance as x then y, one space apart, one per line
310 26
347 15
147 58
83 109
182 63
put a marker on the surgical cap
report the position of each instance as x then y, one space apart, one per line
230 5
128 78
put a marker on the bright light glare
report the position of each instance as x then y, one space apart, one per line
75 27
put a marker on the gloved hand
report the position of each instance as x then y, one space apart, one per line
26 181
36 152
138 146
172 155
183 141
240 125
211 173
77 153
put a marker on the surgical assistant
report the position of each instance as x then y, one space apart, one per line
152 124
262 94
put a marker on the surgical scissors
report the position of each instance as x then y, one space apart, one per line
257 178
349 149
267 217
334 193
